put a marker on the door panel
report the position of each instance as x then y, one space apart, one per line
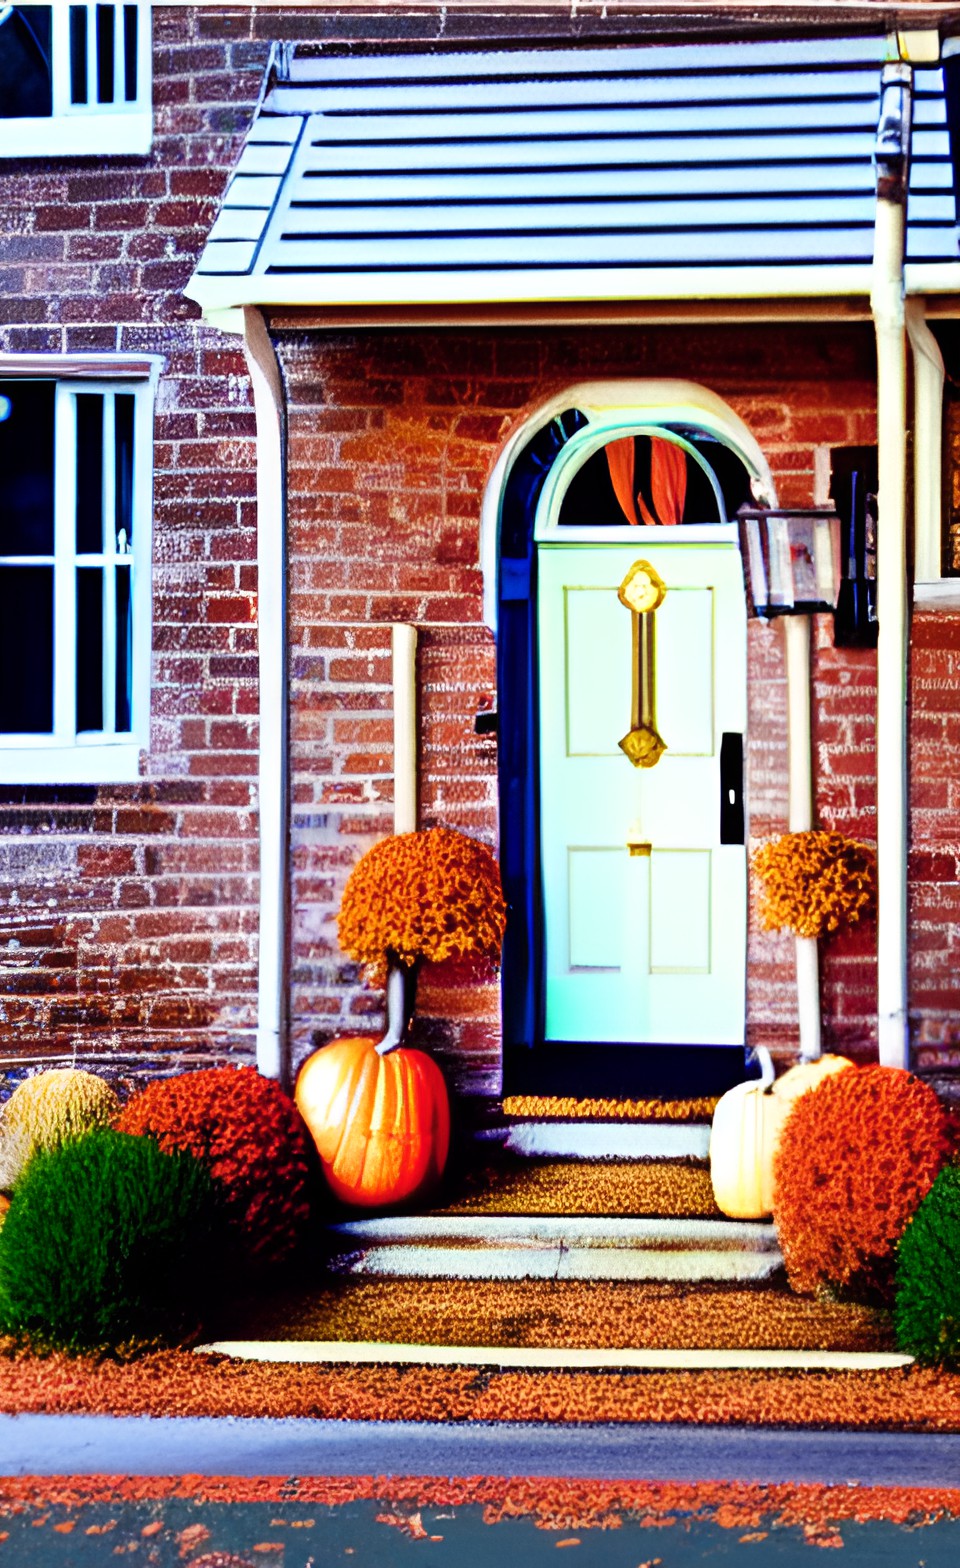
596 882
594 712
643 946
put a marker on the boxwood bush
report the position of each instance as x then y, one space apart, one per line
927 1308
108 1242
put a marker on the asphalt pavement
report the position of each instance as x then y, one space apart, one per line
150 1446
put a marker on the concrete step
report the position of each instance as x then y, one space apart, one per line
595 1140
555 1247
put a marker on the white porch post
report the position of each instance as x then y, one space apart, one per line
272 977
887 306
404 650
928 377
800 815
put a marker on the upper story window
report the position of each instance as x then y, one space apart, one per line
75 505
75 79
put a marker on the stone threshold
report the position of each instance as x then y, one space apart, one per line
502 1247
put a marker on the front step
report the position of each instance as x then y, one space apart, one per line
607 1140
556 1247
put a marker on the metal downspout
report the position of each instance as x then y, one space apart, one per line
274 755
892 160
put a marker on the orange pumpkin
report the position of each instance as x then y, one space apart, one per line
381 1124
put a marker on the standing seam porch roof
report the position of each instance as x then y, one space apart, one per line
568 174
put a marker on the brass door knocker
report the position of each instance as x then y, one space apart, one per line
642 592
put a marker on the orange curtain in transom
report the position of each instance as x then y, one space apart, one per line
668 482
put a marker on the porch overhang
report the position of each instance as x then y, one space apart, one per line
557 177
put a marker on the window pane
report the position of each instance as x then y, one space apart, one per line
90 648
124 649
89 472
123 462
26 649
105 53
130 52
26 467
25 83
78 54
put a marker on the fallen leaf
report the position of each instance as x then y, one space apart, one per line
408 1524
193 1536
571 1540
66 1526
755 1535
152 1529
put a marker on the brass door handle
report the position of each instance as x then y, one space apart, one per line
642 592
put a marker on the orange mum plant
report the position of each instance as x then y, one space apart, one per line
815 882
429 895
856 1156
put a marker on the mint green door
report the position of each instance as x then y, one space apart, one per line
641 946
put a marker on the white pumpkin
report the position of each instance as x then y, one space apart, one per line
747 1125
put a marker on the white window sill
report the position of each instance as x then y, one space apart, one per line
120 133
85 764
944 594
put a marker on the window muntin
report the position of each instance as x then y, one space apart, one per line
76 78
74 578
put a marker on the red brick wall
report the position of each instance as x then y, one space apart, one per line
392 440
128 915
935 839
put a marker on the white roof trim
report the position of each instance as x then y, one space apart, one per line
577 284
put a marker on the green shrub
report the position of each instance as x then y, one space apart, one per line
108 1242
47 1110
927 1309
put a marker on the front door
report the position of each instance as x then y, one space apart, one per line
644 900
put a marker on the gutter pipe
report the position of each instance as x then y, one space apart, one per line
273 778
892 159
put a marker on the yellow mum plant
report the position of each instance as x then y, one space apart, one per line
431 895
815 882
49 1109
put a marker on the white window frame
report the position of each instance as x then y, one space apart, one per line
102 756
81 130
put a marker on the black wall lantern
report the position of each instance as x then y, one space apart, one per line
792 559
853 485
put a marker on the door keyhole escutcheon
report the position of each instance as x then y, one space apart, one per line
642 592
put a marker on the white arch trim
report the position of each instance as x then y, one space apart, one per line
611 408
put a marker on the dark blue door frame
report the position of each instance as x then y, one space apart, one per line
529 1065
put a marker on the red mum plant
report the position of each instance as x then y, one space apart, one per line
856 1156
250 1136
